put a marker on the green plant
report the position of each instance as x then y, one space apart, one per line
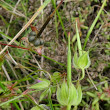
38 87
83 61
101 95
67 94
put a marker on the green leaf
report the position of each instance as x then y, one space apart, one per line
43 94
6 23
2 86
95 101
102 96
90 94
41 85
38 107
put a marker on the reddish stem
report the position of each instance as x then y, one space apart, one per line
15 46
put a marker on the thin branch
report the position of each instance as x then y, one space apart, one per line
26 26
6 73
91 80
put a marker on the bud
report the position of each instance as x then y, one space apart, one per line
83 61
69 95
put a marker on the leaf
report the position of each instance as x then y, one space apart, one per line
95 101
102 96
43 94
38 107
6 23
41 85
90 94
35 108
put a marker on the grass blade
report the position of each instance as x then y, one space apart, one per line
93 24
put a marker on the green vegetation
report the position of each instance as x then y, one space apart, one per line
54 55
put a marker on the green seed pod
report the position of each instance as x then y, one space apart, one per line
84 60
79 91
81 62
62 94
68 95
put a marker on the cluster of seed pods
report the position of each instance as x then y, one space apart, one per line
35 41
34 35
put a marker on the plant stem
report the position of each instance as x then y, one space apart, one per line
78 40
48 19
69 62
15 98
50 100
56 23
16 105
83 74
69 107
97 106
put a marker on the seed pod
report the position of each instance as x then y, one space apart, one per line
32 33
31 38
67 95
79 91
37 42
83 61
41 41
